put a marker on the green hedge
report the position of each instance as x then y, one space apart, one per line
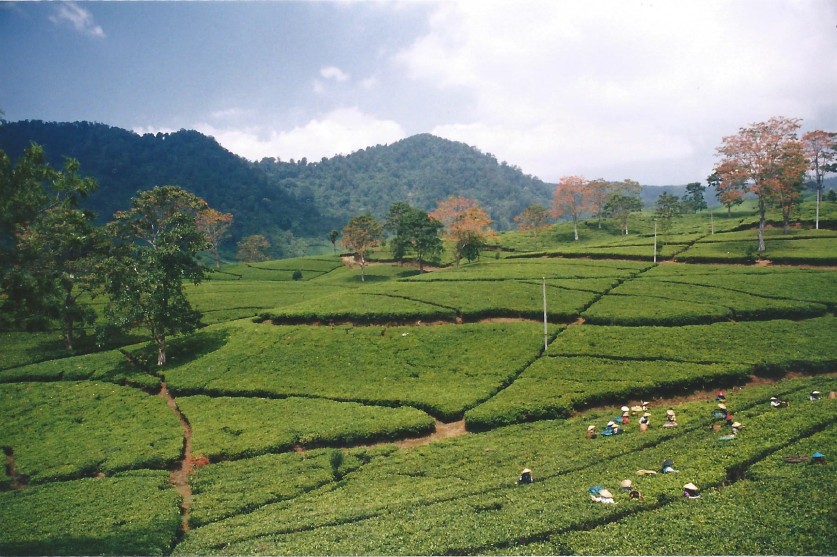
224 428
441 369
72 429
512 516
136 514
554 387
775 346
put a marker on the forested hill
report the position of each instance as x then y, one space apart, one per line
124 162
419 170
271 196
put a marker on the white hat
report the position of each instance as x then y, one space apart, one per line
773 398
736 425
591 427
646 415
690 486
669 412
722 406
625 409
606 493
815 392
611 424
526 471
626 483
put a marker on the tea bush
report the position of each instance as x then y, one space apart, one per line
72 429
225 428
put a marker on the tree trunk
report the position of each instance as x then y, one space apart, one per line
762 210
575 228
217 256
161 349
68 322
362 267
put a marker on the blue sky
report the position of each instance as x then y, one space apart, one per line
639 89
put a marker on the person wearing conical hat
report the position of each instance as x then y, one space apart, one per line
525 477
645 421
671 419
668 466
603 496
626 415
736 427
815 395
591 432
626 485
776 403
612 428
720 412
691 491
817 458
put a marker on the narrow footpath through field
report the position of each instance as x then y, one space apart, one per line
179 478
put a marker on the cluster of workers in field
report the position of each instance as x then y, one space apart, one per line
722 418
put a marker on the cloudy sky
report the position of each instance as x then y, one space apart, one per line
613 89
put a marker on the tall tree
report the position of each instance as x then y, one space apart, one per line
414 231
214 225
622 201
363 233
571 198
62 253
332 237
535 218
253 249
693 199
667 208
764 159
599 191
46 244
467 225
820 149
728 197
157 244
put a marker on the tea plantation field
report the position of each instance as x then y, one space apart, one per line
325 415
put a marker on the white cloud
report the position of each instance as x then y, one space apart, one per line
79 18
341 131
570 87
335 73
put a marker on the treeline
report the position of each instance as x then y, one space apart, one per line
419 170
283 201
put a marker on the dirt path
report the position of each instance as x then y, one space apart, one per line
18 482
180 478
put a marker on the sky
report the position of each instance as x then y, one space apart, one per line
616 89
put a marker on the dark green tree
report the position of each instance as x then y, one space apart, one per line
693 199
415 232
622 201
156 249
60 259
668 207
332 237
45 243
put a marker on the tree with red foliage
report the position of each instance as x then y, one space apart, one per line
571 198
467 225
764 159
820 150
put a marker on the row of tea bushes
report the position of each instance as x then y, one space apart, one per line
486 465
70 429
442 369
234 487
513 515
777 346
554 387
526 267
133 513
278 270
111 366
225 428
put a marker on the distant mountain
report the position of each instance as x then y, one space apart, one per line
271 196
419 170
